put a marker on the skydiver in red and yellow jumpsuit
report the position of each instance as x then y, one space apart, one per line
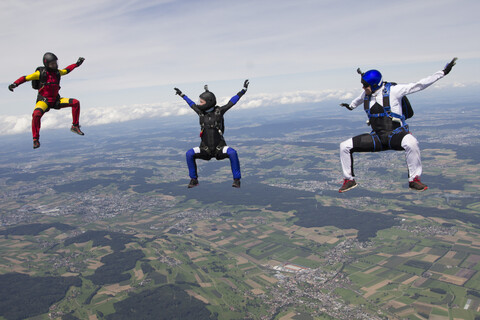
48 97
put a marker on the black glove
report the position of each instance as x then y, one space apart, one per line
12 86
245 84
177 91
449 66
80 61
346 105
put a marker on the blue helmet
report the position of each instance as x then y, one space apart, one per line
372 78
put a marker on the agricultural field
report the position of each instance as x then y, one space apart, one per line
108 228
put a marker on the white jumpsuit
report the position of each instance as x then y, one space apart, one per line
409 142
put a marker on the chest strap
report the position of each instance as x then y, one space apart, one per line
387 110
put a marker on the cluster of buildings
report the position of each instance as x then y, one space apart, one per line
169 261
314 289
70 262
338 254
427 230
97 207
90 205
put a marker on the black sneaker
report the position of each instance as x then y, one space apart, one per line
417 185
236 183
347 185
36 144
193 183
76 129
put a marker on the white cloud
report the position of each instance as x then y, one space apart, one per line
94 116
295 97
138 43
146 44
115 114
15 124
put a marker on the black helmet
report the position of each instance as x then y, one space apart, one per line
49 57
209 98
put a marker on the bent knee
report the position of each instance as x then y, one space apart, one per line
41 105
37 112
346 145
231 152
190 153
69 102
409 142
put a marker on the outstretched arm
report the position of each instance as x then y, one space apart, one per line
189 102
23 79
235 98
36 74
355 103
404 89
426 82
71 67
346 105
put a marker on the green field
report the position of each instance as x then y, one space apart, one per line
131 232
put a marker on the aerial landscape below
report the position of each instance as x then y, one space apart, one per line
105 227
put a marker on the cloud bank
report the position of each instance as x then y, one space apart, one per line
115 114
141 44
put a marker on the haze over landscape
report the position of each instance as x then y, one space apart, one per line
137 51
104 227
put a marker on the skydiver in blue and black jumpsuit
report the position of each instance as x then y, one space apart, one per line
213 144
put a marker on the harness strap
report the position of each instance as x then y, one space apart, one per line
373 135
394 132
217 121
217 118
43 77
386 106
386 97
202 121
366 107
386 102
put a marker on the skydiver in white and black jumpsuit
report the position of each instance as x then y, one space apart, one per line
213 144
389 130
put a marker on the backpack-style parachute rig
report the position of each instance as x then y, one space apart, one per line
42 80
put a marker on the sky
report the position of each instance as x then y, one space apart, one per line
305 51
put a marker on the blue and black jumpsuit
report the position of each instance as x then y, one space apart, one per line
213 144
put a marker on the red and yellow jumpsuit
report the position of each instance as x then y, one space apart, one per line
48 96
